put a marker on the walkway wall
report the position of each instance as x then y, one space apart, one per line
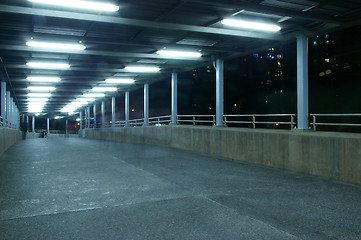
8 137
331 155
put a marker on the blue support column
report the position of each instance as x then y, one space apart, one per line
95 114
302 83
113 112
126 108
88 116
8 107
174 98
3 100
219 92
33 124
146 104
27 123
48 125
81 120
11 112
103 113
66 128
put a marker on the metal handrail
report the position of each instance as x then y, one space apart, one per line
314 122
291 122
230 119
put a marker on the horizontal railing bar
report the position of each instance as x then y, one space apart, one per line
259 115
337 115
337 124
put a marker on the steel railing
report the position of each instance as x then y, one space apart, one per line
260 119
314 122
247 120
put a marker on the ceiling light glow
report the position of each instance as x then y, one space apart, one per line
53 45
97 6
142 69
170 53
38 99
43 79
48 65
120 80
251 25
93 95
42 89
39 95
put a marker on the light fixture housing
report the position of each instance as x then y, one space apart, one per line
48 65
120 80
104 89
87 5
41 88
54 45
39 95
142 69
43 79
174 53
257 26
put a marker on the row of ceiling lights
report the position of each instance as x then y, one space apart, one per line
37 98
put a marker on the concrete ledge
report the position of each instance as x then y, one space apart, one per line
331 155
8 137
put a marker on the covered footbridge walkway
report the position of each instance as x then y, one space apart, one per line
74 188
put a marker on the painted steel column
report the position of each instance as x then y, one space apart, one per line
146 104
33 125
3 100
113 111
27 123
302 82
88 116
103 114
127 108
95 115
66 127
48 125
7 107
81 120
219 92
174 98
11 112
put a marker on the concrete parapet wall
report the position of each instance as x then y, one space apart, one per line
331 155
8 137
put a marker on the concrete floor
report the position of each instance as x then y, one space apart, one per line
88 189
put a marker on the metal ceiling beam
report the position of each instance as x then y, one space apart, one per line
136 22
260 8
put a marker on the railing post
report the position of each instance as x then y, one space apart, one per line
225 121
254 121
194 120
292 122
314 122
213 120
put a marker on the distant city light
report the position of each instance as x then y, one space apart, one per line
210 108
133 109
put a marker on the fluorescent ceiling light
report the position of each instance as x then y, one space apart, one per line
104 89
251 25
36 88
57 117
97 6
78 119
170 53
43 79
38 99
142 69
39 95
78 103
48 65
53 45
93 95
120 80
